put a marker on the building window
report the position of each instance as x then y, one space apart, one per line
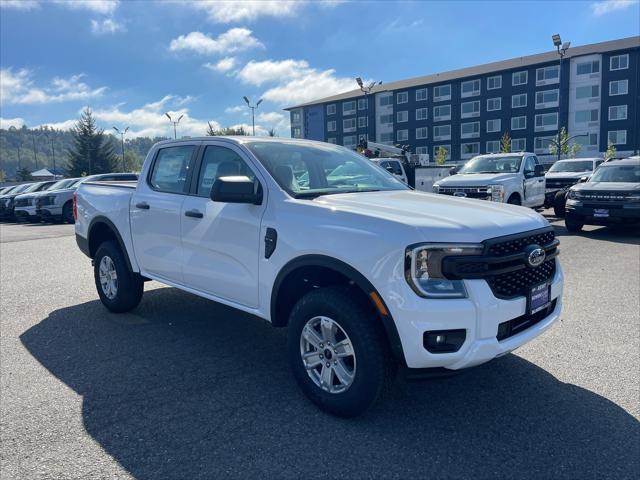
363 103
402 135
297 132
494 104
441 132
362 138
331 109
470 88
386 99
494 125
468 150
518 123
619 62
331 140
518 144
349 141
494 83
519 100
520 78
470 130
295 117
402 97
441 112
588 91
493 146
422 150
447 149
618 112
541 144
470 109
386 119
386 137
422 133
441 93
586 68
591 140
617 137
421 94
402 116
547 75
586 116
547 98
349 125
546 121
618 87
331 126
363 122
422 113
349 108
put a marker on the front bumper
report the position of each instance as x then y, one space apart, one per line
479 315
26 213
592 214
49 212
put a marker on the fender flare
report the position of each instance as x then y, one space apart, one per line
100 219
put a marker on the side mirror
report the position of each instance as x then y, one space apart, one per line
538 171
238 189
454 170
584 179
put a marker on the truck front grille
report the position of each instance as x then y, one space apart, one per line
561 182
24 202
518 283
470 192
42 201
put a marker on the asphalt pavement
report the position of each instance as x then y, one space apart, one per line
184 388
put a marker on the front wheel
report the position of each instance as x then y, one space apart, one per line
559 202
67 213
338 351
514 200
119 288
573 224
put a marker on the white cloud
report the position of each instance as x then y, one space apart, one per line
65 125
607 6
223 65
231 41
257 73
270 117
18 88
19 4
108 25
106 7
6 123
236 109
226 11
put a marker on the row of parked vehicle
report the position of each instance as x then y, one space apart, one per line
50 200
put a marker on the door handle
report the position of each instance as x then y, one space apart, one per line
193 214
143 205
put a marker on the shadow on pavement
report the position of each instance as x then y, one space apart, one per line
187 388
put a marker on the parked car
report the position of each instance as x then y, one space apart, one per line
364 272
7 201
515 178
393 166
611 196
58 205
4 190
562 175
23 206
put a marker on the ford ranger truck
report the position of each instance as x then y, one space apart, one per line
366 274
515 178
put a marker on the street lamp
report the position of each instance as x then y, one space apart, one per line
253 113
122 139
175 123
562 50
366 89
560 144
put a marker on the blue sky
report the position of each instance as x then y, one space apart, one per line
131 61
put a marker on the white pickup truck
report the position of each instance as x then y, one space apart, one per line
515 178
366 274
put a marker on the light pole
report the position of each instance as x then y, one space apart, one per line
33 141
53 154
175 123
253 113
122 138
366 90
562 50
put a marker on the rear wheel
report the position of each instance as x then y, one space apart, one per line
559 202
119 288
514 200
67 213
574 224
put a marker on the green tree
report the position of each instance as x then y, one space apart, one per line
441 155
132 161
226 131
611 152
272 132
3 176
574 149
91 150
23 175
505 143
211 132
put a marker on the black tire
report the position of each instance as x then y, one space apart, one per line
573 223
375 367
67 213
514 200
559 201
130 285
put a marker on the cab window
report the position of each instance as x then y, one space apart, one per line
220 162
170 169
529 166
395 166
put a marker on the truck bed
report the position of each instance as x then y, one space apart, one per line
115 183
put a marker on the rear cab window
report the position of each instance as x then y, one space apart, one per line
171 168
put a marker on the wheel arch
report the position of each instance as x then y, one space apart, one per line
100 230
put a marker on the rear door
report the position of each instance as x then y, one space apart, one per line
156 208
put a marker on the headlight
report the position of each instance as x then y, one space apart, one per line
497 193
436 189
635 198
423 269
574 195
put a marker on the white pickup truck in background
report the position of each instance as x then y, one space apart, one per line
515 178
366 274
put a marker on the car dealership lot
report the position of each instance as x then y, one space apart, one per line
186 388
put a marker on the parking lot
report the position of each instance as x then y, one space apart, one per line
186 388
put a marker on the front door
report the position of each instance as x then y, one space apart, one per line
221 241
533 185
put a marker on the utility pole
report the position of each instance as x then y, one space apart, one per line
253 113
175 123
367 91
53 154
122 138
35 157
562 50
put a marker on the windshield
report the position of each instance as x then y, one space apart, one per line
307 170
618 173
21 188
32 188
59 185
566 166
492 165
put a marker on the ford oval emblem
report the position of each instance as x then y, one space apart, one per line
535 255
459 194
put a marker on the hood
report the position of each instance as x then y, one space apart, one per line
608 186
476 179
439 218
568 175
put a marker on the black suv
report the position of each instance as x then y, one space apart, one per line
610 197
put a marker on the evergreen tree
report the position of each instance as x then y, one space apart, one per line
23 175
91 152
